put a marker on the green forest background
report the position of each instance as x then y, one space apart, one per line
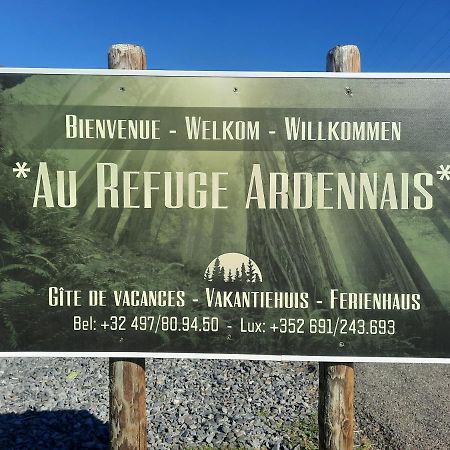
161 249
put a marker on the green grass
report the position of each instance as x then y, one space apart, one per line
365 445
304 433
300 432
223 447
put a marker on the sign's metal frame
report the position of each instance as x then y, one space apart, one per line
229 74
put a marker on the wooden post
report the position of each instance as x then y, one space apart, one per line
344 58
336 416
127 396
336 380
127 56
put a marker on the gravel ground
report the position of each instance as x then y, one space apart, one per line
62 404
405 406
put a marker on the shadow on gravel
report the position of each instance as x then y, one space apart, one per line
55 430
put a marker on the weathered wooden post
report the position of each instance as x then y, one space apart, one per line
127 56
336 380
344 58
128 412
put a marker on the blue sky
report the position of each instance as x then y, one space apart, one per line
394 36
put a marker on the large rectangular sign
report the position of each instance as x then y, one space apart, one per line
276 216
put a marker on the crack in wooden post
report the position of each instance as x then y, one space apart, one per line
336 415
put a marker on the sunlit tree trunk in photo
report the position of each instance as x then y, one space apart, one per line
140 221
219 228
323 265
274 237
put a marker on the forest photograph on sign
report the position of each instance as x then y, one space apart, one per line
273 216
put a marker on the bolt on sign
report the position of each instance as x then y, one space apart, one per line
275 216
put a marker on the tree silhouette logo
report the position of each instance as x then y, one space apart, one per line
233 271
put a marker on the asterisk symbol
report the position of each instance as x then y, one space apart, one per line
21 170
444 172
